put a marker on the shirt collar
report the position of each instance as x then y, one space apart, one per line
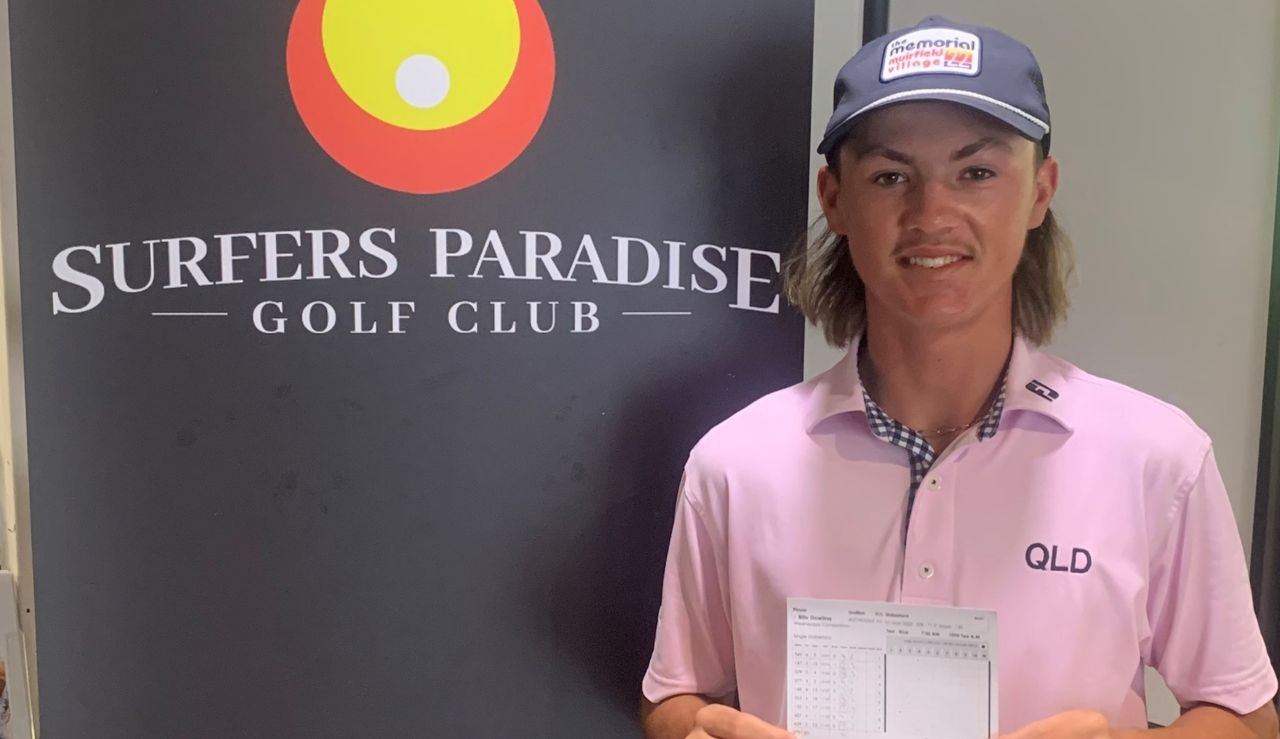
836 391
1034 382
1039 383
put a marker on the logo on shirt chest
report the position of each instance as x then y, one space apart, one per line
1047 559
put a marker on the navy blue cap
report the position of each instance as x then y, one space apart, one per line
942 60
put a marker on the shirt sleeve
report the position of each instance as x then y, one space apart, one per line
693 647
1205 640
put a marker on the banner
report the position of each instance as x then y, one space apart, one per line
365 340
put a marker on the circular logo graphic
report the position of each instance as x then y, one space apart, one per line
421 96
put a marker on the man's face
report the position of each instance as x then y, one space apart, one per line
936 200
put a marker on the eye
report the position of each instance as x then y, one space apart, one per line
979 173
889 179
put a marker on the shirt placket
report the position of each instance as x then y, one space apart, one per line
929 544
928 541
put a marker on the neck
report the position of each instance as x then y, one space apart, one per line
935 379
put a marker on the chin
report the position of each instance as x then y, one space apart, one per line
939 319
943 311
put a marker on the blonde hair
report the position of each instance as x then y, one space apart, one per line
821 281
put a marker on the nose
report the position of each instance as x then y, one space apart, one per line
931 207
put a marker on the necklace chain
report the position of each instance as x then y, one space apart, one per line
941 430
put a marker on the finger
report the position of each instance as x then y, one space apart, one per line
1041 729
1034 730
1067 725
722 722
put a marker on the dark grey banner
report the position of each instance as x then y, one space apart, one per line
364 343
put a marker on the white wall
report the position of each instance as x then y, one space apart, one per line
15 548
837 33
1167 123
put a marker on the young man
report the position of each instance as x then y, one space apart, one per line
936 460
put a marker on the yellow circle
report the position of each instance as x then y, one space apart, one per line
375 46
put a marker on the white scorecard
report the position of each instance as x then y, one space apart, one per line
858 670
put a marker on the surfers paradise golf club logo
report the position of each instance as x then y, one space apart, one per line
423 97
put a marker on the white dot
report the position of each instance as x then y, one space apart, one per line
422 81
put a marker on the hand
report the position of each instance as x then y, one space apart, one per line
1069 725
722 722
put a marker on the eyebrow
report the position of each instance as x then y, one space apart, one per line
962 153
979 145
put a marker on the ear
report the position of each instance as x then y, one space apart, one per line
828 196
1046 185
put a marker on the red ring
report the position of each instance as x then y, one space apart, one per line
408 160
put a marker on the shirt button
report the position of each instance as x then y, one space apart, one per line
935 483
926 570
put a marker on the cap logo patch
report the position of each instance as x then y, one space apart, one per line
932 51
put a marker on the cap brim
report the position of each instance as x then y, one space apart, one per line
1024 123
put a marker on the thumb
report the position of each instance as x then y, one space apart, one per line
723 722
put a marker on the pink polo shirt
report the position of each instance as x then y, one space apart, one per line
794 497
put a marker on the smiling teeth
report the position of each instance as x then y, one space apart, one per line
933 262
